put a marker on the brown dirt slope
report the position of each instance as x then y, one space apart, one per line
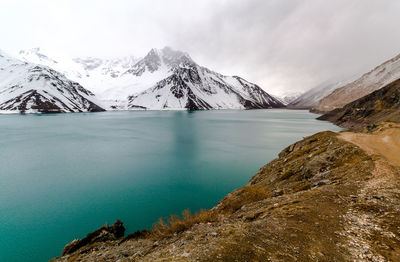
323 199
384 142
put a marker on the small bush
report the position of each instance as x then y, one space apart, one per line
176 224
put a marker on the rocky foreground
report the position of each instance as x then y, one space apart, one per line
329 197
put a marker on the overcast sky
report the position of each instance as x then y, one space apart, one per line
282 45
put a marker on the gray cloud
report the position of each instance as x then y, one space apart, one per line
283 45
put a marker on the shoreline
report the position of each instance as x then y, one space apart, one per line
266 197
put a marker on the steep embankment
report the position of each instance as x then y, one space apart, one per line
381 105
322 199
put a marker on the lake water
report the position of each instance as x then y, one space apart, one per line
64 175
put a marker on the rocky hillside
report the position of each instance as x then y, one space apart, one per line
366 84
381 105
163 79
323 199
32 88
311 98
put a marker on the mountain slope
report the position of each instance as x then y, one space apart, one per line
31 88
311 98
193 87
380 105
366 84
106 78
288 97
163 79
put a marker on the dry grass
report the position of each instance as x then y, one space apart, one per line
175 224
244 195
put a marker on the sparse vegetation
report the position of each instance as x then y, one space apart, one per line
246 195
176 224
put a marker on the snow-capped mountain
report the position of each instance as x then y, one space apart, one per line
377 78
194 87
287 97
104 77
163 79
31 88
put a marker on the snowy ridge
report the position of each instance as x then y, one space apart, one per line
104 77
163 79
190 86
31 88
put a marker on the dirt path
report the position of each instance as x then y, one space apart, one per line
385 143
380 192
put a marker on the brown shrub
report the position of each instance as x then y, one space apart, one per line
175 224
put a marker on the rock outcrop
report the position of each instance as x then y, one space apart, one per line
105 233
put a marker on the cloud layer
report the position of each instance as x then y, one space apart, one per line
283 45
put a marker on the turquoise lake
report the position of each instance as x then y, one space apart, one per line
64 175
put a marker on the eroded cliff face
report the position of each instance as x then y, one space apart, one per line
323 199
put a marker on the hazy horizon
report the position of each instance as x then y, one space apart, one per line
283 46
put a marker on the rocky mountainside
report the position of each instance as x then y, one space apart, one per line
30 88
323 199
381 105
163 79
104 77
366 84
311 98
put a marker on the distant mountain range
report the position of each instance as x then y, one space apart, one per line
163 79
30 88
377 78
288 97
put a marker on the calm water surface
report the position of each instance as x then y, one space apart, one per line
64 175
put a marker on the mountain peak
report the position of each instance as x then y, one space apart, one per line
168 54
166 57
34 50
36 56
